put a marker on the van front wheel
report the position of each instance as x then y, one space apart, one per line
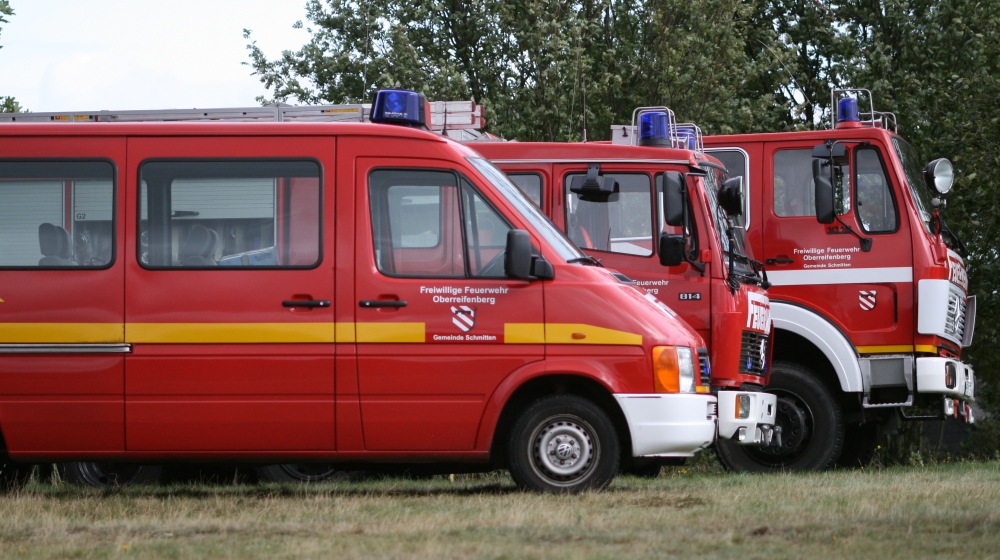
563 444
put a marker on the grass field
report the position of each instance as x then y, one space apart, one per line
936 511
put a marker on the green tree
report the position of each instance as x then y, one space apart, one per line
545 69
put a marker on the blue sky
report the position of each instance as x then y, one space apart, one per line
136 54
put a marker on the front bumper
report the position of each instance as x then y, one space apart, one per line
757 409
951 378
669 425
946 376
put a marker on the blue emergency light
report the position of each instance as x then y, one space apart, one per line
688 140
847 111
654 129
407 108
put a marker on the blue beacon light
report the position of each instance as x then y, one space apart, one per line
688 138
847 113
407 108
654 129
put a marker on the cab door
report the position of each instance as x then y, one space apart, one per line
434 306
824 265
228 295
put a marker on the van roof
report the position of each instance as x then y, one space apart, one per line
215 129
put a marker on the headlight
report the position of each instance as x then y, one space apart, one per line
674 369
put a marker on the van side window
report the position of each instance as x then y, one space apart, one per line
230 213
530 184
876 206
794 191
56 214
428 223
622 224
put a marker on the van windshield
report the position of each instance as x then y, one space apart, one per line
539 221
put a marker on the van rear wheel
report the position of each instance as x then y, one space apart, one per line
811 422
299 472
101 474
563 444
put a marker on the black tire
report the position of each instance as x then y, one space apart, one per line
860 443
13 476
309 473
100 474
812 427
563 444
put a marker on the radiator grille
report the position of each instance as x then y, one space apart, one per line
753 353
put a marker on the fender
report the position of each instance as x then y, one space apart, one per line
830 340
591 370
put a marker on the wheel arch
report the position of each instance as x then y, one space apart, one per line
556 384
807 337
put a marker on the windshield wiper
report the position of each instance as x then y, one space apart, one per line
587 260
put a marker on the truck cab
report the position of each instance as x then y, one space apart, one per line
654 214
869 289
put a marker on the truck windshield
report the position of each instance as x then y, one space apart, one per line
542 224
915 180
731 235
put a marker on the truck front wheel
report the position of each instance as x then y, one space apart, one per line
563 444
812 427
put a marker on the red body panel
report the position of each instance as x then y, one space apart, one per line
873 301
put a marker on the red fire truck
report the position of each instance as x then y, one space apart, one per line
330 292
658 211
869 298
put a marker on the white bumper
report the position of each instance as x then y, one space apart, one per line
937 375
674 425
757 410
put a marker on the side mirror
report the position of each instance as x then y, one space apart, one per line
823 178
517 255
594 187
673 198
939 175
521 262
672 249
731 196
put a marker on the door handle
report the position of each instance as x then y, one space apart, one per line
306 303
779 261
381 303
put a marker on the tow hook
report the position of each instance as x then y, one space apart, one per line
776 440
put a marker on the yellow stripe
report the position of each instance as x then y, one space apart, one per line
524 333
61 333
221 333
390 332
256 333
567 333
926 348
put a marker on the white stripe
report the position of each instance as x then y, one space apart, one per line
820 276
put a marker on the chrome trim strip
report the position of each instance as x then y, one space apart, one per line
64 348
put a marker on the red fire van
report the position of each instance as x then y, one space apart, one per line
333 292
